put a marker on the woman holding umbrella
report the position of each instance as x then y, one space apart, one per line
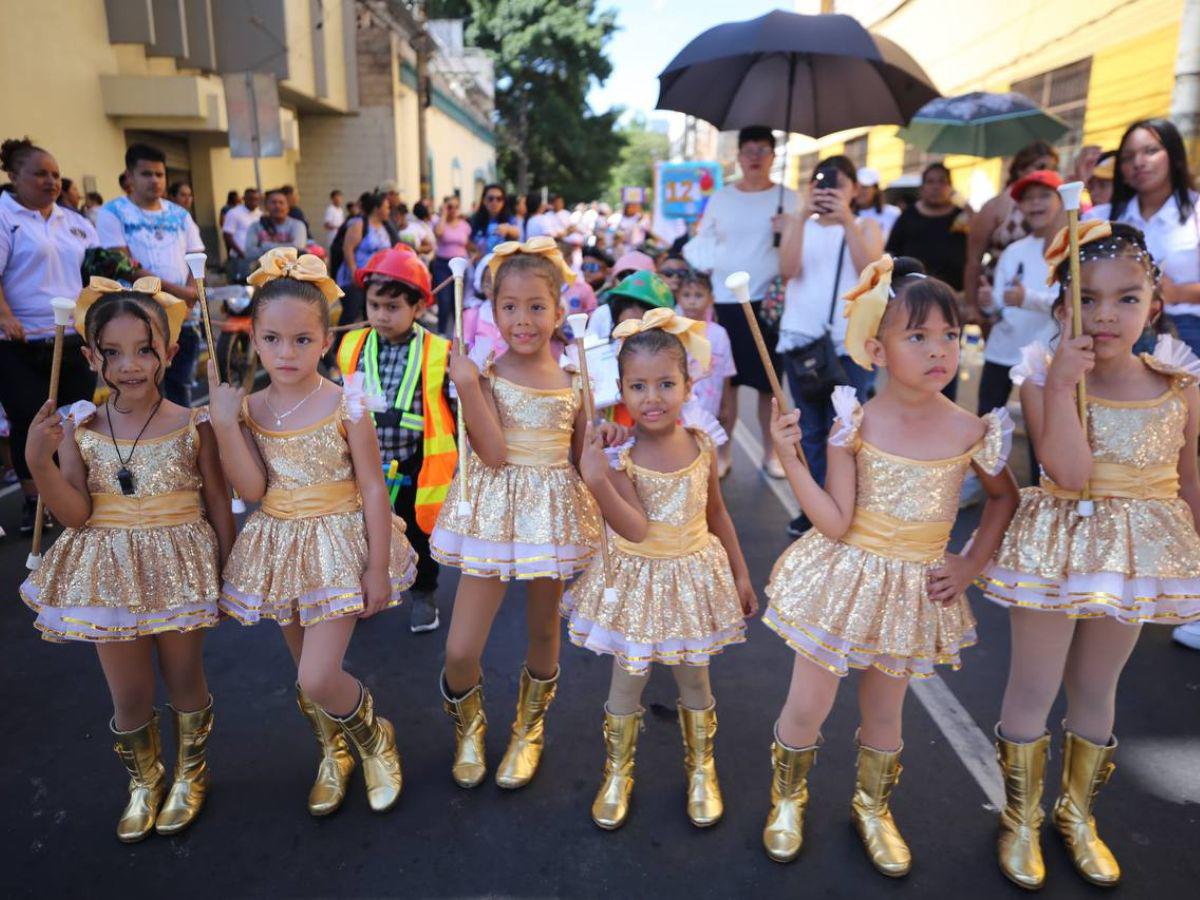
999 222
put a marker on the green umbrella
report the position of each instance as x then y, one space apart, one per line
981 124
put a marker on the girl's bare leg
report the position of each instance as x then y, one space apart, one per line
542 622
694 689
625 691
128 668
475 607
321 675
1040 643
809 700
1098 656
181 661
293 636
881 706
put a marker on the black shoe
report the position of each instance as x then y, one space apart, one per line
28 514
423 615
799 525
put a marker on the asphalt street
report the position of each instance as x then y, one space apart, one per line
63 787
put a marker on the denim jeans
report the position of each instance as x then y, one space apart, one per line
177 385
816 416
1188 328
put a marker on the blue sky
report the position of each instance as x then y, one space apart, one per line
652 32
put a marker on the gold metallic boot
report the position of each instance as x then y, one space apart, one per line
520 762
611 806
375 740
337 762
699 726
140 750
1086 766
784 832
470 726
878 773
186 797
1019 844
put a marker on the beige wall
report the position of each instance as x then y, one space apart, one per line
458 156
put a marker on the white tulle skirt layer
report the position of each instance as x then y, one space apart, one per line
508 561
309 609
103 624
839 655
636 657
1168 601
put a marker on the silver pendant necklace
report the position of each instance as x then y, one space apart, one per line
280 416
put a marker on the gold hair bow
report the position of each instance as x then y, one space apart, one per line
1060 247
535 246
866 303
691 333
285 262
97 287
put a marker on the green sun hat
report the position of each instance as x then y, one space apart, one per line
646 288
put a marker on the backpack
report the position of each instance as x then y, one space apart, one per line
337 255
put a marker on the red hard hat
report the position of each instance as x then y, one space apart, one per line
401 264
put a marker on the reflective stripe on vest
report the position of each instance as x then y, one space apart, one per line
408 382
440 454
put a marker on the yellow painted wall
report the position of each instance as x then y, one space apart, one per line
450 142
1130 81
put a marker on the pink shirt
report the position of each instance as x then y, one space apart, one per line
707 387
453 241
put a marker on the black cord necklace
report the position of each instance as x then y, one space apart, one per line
124 476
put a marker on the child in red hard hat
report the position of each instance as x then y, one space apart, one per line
406 363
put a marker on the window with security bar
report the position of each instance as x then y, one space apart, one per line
1063 92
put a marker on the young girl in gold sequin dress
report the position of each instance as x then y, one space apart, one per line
872 585
681 589
1080 587
324 549
518 512
137 569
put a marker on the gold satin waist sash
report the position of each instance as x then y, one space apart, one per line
1117 480
155 511
894 538
665 541
537 447
315 500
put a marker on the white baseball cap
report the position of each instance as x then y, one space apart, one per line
868 177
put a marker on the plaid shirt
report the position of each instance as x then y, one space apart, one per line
395 442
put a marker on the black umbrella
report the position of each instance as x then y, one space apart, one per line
810 74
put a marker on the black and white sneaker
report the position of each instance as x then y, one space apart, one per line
423 613
799 525
29 515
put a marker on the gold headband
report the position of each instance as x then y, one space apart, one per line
865 306
151 286
286 262
1060 247
690 332
542 246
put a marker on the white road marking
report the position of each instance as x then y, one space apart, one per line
974 748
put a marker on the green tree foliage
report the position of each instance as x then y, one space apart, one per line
546 54
641 149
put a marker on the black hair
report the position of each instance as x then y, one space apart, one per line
335 192
1027 155
1126 241
176 187
231 198
533 263
920 294
287 190
480 219
66 185
142 307
401 208
595 252
621 304
755 133
123 180
280 191
249 190
94 197
532 202
143 152
421 211
653 340
841 163
291 288
934 167
1181 176
697 278
391 288
370 201
14 152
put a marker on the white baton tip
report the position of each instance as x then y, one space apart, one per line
237 505
458 266
32 561
610 595
464 508
739 283
1071 192
196 262
1086 508
64 308
578 323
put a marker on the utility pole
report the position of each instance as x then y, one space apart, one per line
1185 99
424 47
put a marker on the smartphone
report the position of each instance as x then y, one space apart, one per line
825 178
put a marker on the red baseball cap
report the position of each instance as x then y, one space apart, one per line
1044 177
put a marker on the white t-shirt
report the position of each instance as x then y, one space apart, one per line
543 223
1174 245
886 217
735 235
334 217
238 221
40 260
1022 263
157 239
809 296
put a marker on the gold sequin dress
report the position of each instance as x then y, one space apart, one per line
862 601
675 601
143 564
531 517
1137 557
303 552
